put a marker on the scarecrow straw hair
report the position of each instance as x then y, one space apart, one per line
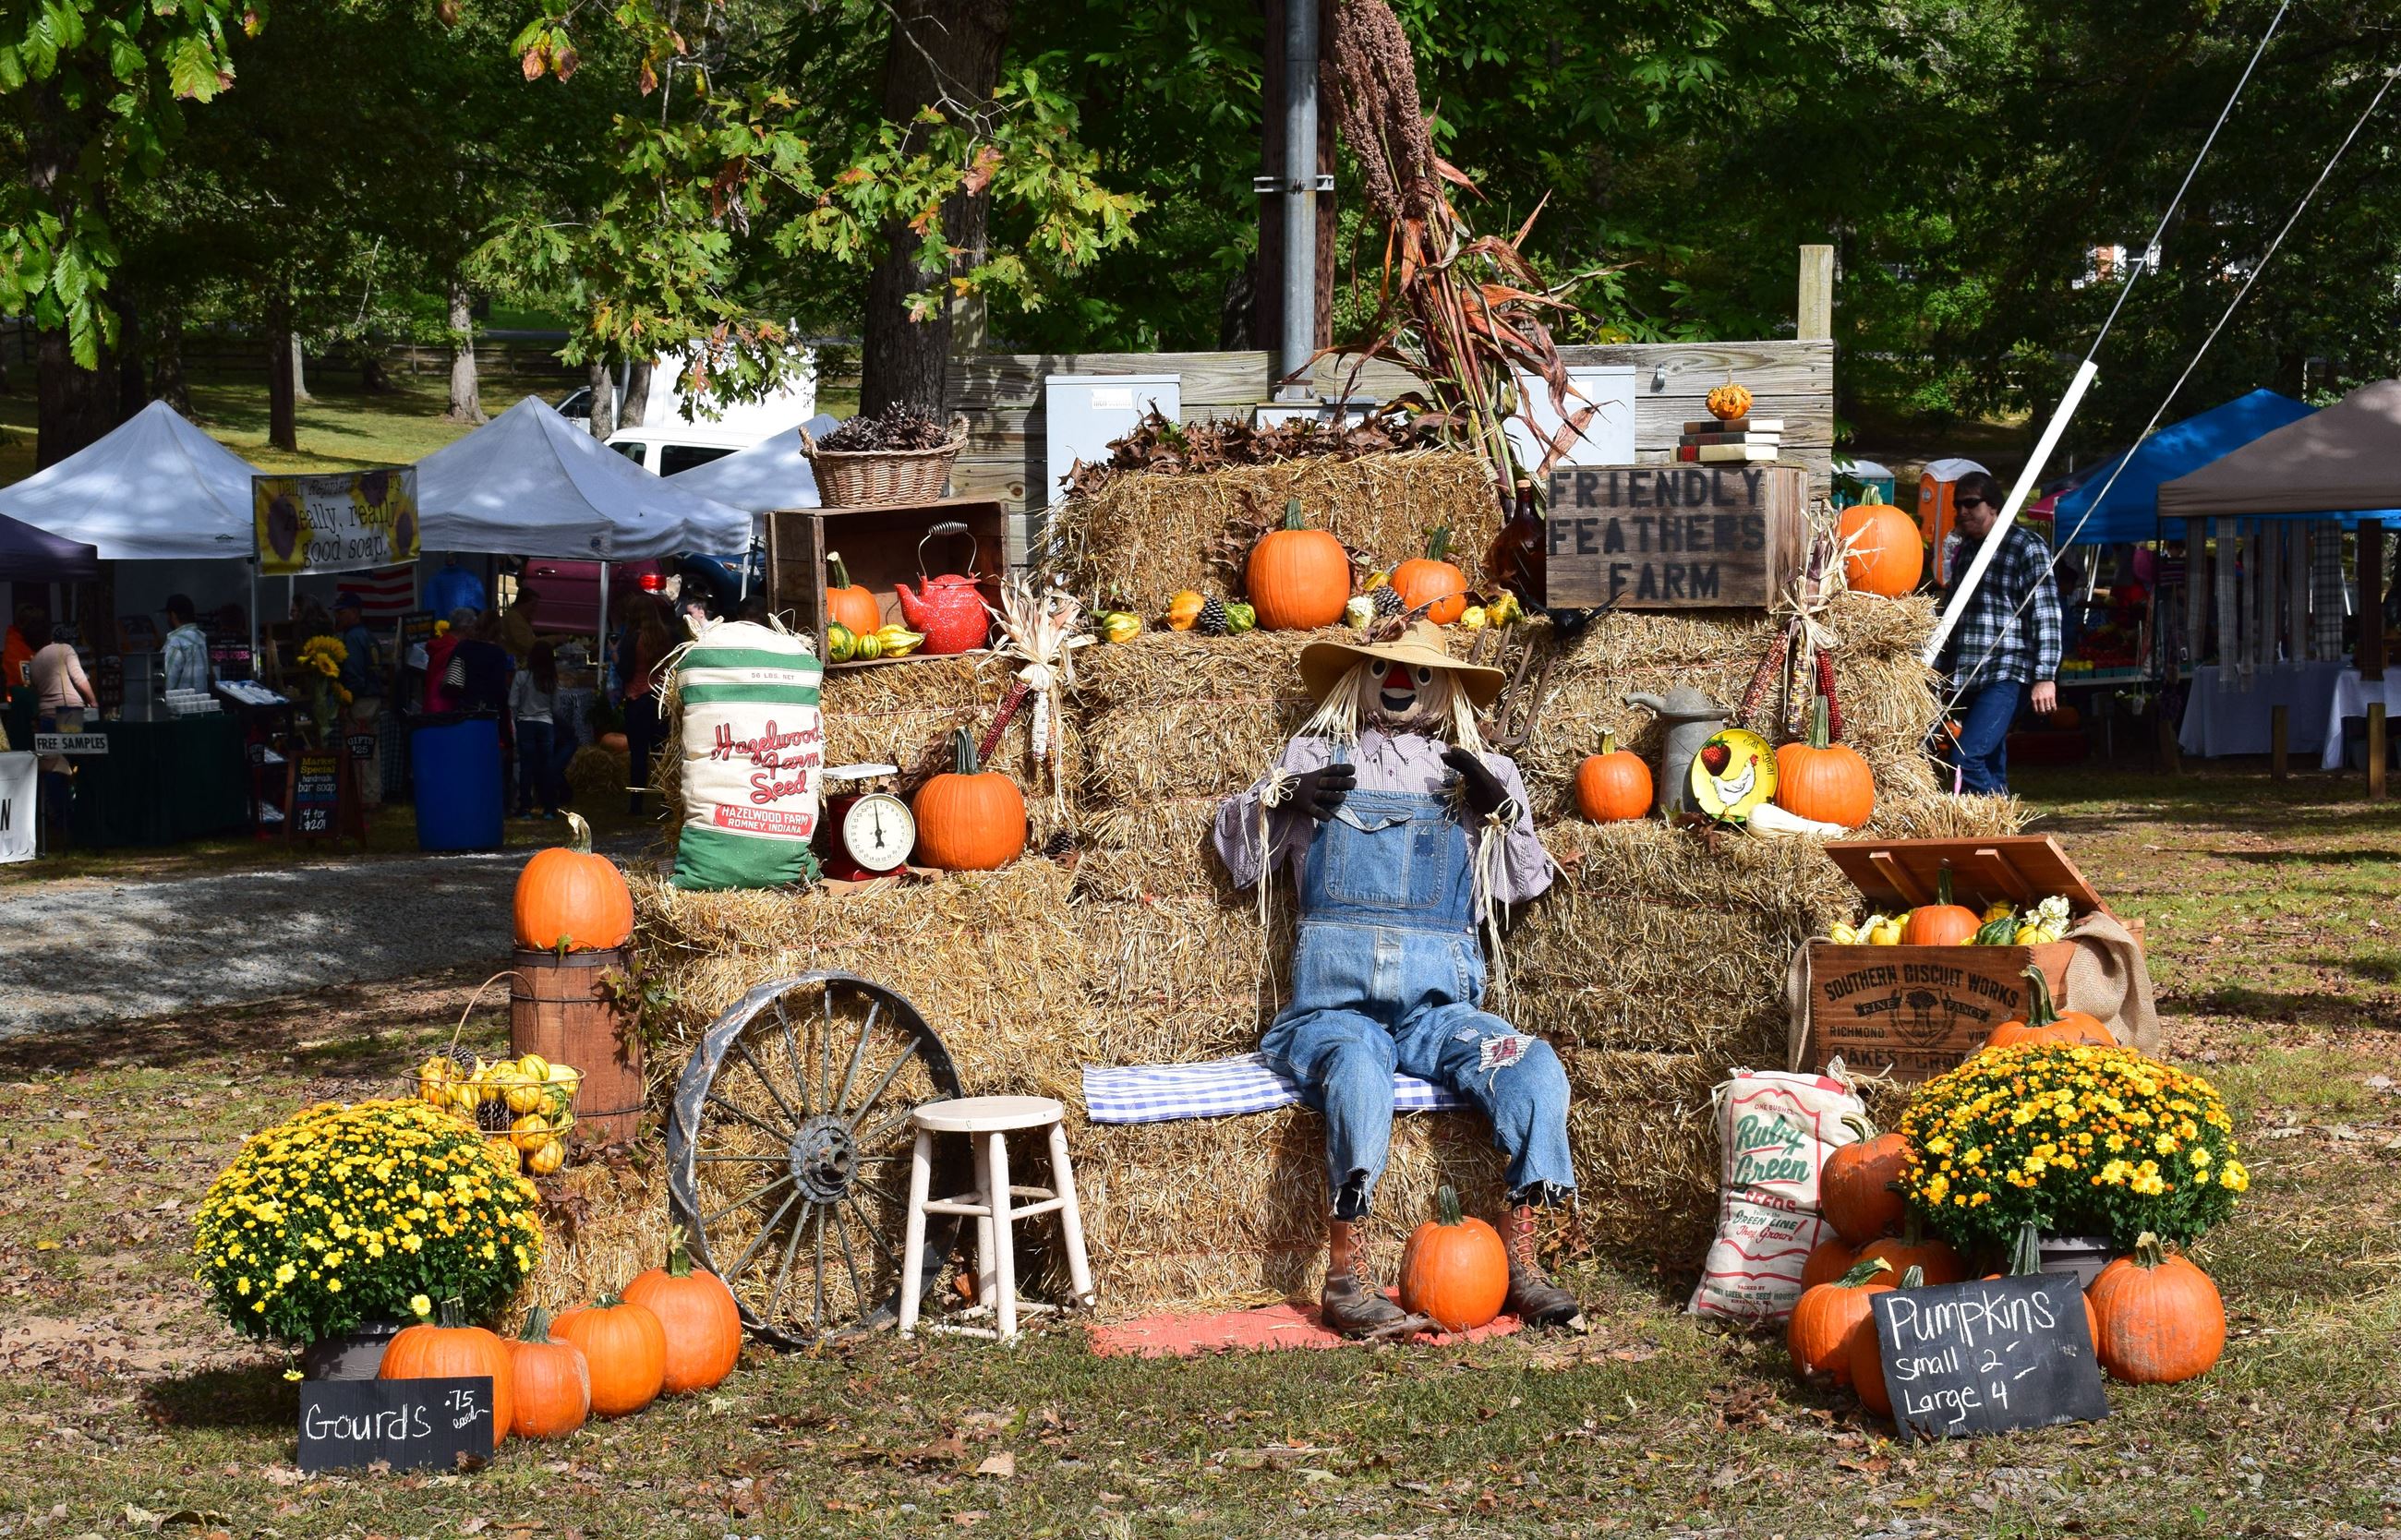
1351 702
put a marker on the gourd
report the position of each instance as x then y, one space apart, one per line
1867 1353
2161 1319
553 1386
1942 924
1856 1186
1911 1250
1729 402
568 899
624 1350
1430 583
1882 553
2045 1023
848 604
1827 1260
1613 785
1184 609
1828 1315
1824 780
1299 577
968 819
447 1348
1454 1269
697 1312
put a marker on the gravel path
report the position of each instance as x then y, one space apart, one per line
99 949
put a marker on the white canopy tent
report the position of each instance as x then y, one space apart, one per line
156 489
770 474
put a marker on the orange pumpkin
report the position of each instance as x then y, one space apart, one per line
2065 718
624 1350
1613 785
1941 923
1823 779
1882 553
569 899
970 819
1432 583
1454 1269
1855 1190
1818 1335
1298 578
849 604
2160 1318
1867 1353
1829 1260
452 1349
697 1312
1729 402
553 1388
1912 1249
2045 1023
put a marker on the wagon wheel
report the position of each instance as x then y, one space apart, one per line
788 1146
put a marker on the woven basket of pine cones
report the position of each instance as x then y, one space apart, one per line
865 478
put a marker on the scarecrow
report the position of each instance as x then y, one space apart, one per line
1404 834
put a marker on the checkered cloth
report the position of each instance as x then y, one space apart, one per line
1164 1093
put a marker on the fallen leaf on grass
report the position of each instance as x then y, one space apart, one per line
1002 1465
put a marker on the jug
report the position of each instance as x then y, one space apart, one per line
1689 718
948 609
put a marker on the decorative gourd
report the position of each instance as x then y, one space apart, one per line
1867 1353
2161 1319
1818 1335
1942 924
970 819
849 604
1612 785
1882 553
1184 609
447 1348
553 1388
1824 780
1912 1249
2046 1023
1729 402
568 899
1855 1189
624 1350
697 1312
1455 1269
2026 1261
1432 582
1299 577
1829 1260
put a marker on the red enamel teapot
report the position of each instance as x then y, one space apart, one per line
948 609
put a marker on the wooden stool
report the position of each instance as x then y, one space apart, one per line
988 1122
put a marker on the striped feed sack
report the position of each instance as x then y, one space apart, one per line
753 754
1165 1093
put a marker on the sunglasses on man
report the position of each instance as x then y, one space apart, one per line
1965 503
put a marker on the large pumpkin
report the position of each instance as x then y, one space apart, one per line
1882 553
1613 785
1298 578
1867 1353
451 1349
1455 1269
1912 1249
1432 583
848 604
2045 1023
553 1388
2160 1318
625 1349
1818 1335
1942 924
697 1312
1855 1189
1824 780
568 899
968 819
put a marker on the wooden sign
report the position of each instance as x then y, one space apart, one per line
405 1425
1916 1011
1675 536
1982 1357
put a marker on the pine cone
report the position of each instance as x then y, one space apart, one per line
492 1117
464 1060
1212 620
1386 599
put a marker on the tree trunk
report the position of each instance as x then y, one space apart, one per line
635 409
282 387
167 381
1267 284
373 379
603 398
299 372
75 407
466 394
940 49
133 390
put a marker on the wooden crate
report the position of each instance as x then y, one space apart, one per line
879 545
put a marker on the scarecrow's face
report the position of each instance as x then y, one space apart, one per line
1407 697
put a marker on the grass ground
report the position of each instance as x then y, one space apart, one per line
2273 940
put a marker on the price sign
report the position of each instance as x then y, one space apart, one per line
362 745
407 1424
316 795
1980 1357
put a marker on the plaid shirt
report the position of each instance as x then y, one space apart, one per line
1992 642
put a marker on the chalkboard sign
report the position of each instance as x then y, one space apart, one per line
1980 1357
362 745
410 1424
1665 537
316 795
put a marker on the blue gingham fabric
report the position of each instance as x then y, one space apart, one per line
1164 1093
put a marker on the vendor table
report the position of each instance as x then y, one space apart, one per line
2221 720
162 783
2100 688
2352 696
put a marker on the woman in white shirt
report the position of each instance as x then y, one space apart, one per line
533 703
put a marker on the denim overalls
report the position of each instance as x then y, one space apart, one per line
1388 975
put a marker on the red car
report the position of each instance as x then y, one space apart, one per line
570 591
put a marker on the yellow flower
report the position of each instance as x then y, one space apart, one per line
2234 1177
419 1306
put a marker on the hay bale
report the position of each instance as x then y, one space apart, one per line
1173 716
598 777
604 1223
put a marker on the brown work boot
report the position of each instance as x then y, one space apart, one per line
1356 1309
1534 1298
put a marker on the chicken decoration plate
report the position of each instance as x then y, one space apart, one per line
1733 772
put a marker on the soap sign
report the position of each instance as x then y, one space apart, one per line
316 795
1674 536
407 1424
1982 1357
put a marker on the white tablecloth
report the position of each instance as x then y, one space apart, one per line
2219 720
2353 696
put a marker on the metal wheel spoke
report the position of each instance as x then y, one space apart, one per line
884 1084
758 1069
857 1056
825 1051
781 1136
792 1046
820 1312
747 1198
764 1230
755 1159
783 1274
868 1225
849 1261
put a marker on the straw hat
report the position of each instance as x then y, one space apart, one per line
1323 664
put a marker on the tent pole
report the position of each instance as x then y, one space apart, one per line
601 643
254 617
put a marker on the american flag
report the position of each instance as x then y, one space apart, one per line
387 591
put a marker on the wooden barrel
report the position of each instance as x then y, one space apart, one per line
556 1009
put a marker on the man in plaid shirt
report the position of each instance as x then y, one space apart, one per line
2007 641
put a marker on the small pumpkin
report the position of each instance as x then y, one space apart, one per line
447 1348
1912 1249
1867 1353
568 899
2046 1023
1613 785
2065 718
624 1350
1184 609
553 1386
1882 552
1824 780
1432 582
2026 1261
697 1312
615 742
1942 924
1818 1335
1857 1190
1454 1269
849 604
1299 577
2161 1319
1829 1260
1729 402
968 819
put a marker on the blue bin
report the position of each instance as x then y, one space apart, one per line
456 761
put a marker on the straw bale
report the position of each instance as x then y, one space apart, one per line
1181 979
1171 715
605 1222
1147 536
598 777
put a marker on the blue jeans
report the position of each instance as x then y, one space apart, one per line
1985 713
541 767
1389 974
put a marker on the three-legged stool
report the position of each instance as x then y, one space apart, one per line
988 1122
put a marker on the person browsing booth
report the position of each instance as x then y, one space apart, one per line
2006 646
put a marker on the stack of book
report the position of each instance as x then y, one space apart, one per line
1710 440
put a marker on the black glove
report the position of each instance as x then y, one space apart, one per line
1485 792
1319 791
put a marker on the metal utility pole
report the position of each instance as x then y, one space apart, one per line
1299 184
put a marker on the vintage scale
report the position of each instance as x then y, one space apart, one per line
867 831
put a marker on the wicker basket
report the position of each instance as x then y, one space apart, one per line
862 477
